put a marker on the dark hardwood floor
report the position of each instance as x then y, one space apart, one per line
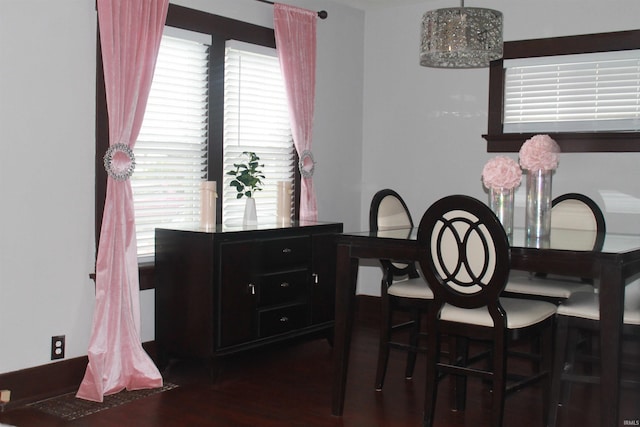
290 385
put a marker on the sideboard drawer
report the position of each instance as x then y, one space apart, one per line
278 253
281 320
282 288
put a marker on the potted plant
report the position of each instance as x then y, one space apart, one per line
247 180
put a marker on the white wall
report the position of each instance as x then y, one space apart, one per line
47 86
423 126
47 136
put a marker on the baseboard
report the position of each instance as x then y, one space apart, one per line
41 382
45 381
53 379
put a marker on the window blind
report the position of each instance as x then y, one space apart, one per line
256 118
580 93
171 149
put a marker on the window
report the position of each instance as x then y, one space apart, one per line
574 93
256 118
203 155
582 90
171 150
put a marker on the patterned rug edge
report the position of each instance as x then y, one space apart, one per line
70 408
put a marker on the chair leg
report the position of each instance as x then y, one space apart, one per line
573 340
383 346
433 357
499 380
414 342
461 355
561 336
546 366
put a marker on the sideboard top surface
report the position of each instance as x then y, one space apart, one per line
261 228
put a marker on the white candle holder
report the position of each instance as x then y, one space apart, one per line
283 214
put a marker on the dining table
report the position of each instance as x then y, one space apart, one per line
611 267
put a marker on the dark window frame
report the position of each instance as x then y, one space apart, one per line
221 29
570 142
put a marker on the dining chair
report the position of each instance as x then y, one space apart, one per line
465 259
580 313
571 211
402 289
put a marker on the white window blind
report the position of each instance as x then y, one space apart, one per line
256 119
573 93
171 150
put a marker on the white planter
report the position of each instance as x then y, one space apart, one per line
250 215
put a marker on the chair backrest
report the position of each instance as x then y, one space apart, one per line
388 211
465 253
573 211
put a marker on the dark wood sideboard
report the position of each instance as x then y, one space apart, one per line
230 290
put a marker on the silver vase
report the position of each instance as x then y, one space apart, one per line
501 203
538 209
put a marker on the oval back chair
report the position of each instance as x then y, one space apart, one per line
570 212
401 289
465 259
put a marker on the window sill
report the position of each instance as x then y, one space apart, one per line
600 142
146 274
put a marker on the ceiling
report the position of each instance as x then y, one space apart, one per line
370 4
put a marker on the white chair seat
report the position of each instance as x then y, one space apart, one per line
520 313
523 282
586 305
411 288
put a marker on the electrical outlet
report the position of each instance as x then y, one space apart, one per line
57 347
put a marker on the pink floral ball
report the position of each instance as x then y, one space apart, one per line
501 172
539 153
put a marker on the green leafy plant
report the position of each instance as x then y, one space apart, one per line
248 178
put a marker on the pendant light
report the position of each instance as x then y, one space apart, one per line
461 37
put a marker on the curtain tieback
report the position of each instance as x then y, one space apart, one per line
119 162
307 164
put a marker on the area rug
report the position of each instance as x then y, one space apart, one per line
69 407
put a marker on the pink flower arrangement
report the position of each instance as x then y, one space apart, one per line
501 172
540 153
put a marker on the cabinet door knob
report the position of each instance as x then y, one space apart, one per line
252 289
284 285
287 251
284 319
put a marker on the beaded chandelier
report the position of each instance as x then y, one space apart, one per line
460 37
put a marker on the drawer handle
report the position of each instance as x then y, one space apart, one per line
284 285
287 251
284 319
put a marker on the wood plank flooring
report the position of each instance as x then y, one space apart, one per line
290 385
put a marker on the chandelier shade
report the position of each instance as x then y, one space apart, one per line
461 37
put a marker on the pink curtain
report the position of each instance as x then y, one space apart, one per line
295 31
130 33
